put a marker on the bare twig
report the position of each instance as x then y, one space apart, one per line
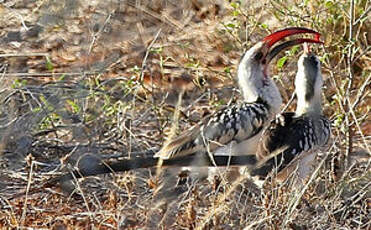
362 91
24 55
349 132
368 49
365 14
96 36
288 103
83 196
20 17
359 128
23 217
49 74
147 53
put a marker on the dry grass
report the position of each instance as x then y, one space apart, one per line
85 82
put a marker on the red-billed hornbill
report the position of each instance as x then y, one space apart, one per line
301 133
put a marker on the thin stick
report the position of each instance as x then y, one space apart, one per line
359 128
20 17
288 103
147 53
24 55
23 217
350 84
365 14
96 36
48 74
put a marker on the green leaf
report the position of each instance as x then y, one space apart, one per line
227 69
42 99
294 50
61 78
231 25
234 5
49 64
264 26
329 4
19 83
281 62
74 106
156 50
235 13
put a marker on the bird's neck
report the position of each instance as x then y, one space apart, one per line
261 89
312 106
308 93
255 85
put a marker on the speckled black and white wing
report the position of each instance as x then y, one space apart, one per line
233 124
283 141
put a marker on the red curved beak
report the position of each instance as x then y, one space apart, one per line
273 38
281 34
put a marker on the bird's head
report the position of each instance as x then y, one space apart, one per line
253 68
262 53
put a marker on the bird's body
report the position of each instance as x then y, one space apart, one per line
227 132
284 140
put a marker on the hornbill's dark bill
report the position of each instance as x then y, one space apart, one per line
192 151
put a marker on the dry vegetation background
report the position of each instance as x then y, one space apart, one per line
85 81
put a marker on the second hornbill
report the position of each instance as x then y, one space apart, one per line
301 133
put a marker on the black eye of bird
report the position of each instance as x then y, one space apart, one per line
258 56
